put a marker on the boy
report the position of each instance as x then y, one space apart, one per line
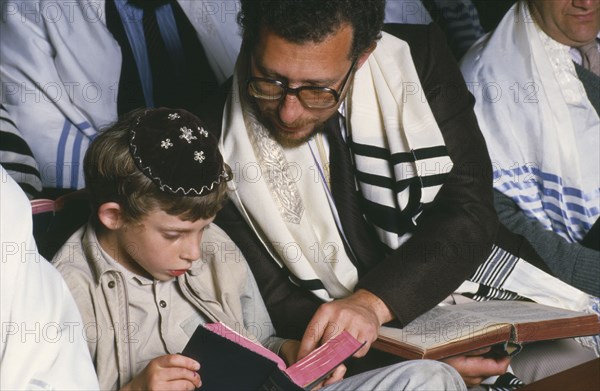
156 180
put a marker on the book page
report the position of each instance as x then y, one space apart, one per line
451 323
518 311
443 325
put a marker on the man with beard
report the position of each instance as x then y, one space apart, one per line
367 150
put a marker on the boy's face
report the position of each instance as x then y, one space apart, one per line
160 246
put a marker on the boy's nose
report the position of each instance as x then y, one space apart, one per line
191 251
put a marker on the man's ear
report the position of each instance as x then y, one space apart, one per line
110 215
363 57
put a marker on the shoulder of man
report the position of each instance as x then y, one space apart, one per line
422 39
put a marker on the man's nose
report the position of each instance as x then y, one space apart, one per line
586 4
290 109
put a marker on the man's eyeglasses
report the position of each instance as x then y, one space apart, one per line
311 97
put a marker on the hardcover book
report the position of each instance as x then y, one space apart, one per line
449 330
230 361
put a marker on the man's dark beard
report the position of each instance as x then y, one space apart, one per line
280 137
287 142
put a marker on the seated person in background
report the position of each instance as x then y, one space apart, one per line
16 157
458 19
491 12
141 272
537 102
69 68
42 346
365 147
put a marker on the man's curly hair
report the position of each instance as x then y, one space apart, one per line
301 21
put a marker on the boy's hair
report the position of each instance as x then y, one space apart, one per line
301 21
113 174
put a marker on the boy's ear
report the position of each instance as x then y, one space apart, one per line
110 215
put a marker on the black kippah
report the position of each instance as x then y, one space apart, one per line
171 147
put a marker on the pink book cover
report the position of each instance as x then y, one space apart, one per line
42 205
312 368
324 359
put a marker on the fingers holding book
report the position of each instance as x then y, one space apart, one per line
168 372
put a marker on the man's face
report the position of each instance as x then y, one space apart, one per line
323 64
570 22
160 246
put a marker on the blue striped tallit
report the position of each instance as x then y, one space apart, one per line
540 127
543 196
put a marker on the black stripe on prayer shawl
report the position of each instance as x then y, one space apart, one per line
375 180
430 152
13 143
402 157
496 269
369 151
433 180
486 293
392 219
387 218
20 169
311 285
7 120
384 182
505 382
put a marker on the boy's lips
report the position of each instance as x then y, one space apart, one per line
177 273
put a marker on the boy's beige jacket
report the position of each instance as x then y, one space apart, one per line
216 285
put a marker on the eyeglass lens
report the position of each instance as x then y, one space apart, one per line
273 90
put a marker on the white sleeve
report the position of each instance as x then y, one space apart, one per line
42 344
49 88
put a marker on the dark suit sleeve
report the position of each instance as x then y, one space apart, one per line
456 232
289 306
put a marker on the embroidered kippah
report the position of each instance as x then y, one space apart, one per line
171 147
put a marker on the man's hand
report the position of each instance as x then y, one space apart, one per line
361 314
335 376
169 372
289 351
475 367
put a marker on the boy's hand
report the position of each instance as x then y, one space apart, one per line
169 372
474 367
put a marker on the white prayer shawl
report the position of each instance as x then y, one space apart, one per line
43 344
60 69
540 127
280 193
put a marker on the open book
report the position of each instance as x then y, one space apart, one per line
454 329
230 361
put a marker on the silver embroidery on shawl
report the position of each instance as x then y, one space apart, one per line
274 166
